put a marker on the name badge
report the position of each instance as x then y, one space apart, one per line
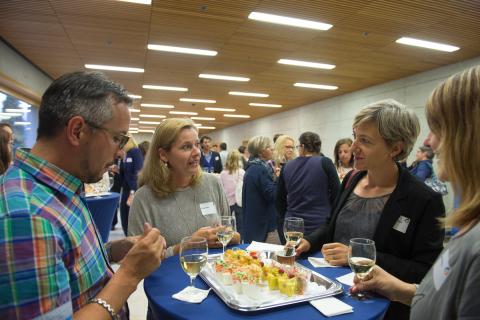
208 208
402 224
129 160
441 269
217 158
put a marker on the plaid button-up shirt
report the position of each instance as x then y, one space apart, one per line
51 259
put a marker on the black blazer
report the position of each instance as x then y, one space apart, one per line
409 255
215 162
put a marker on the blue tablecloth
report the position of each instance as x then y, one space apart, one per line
103 208
170 279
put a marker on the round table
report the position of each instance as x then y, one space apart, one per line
103 208
170 279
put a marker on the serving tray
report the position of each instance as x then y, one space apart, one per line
269 299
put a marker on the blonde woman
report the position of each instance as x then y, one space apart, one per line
175 196
130 166
232 178
451 288
343 157
283 151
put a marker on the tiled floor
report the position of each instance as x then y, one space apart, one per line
137 302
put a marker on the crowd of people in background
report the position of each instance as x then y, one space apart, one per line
178 185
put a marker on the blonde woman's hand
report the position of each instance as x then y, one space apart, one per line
335 253
383 283
209 233
303 246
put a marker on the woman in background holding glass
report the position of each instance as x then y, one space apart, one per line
175 196
451 288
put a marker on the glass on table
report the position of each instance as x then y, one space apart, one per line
361 258
193 256
293 228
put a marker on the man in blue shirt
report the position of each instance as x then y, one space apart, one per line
210 160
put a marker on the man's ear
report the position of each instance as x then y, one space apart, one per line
75 130
162 154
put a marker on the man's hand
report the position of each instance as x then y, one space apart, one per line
303 246
335 253
145 255
121 247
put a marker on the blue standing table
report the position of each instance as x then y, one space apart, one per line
103 208
170 278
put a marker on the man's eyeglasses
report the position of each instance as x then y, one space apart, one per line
119 138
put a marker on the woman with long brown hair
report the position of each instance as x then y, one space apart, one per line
6 142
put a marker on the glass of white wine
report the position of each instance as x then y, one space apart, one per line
226 230
293 229
361 258
193 256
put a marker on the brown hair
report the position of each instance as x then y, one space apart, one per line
5 152
339 143
453 115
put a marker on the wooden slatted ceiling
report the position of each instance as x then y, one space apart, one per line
62 35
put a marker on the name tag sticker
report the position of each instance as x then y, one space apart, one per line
441 269
129 160
208 208
402 224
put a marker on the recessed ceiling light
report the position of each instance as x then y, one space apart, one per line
206 127
248 94
113 68
221 77
135 96
203 118
146 131
307 64
133 110
155 105
197 100
168 88
315 86
8 110
220 109
267 105
21 123
201 52
236 115
152 116
427 44
295 22
149 122
149 2
134 119
184 113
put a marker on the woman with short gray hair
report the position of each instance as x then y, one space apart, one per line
258 195
384 202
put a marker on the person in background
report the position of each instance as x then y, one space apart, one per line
258 194
422 167
215 148
245 156
343 157
383 201
175 195
232 179
114 171
6 147
451 288
223 152
129 169
307 186
210 160
275 137
143 146
283 151
53 263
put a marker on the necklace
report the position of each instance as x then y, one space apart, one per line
188 218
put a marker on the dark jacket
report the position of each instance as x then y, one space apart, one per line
409 255
258 195
215 164
422 170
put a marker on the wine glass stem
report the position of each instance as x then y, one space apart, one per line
191 282
223 248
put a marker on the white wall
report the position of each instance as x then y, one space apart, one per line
332 118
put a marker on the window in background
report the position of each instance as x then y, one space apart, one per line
22 116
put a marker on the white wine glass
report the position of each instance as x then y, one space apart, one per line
226 230
193 256
293 228
361 258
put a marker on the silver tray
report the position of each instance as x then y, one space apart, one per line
231 299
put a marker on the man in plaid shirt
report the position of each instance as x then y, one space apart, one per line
53 264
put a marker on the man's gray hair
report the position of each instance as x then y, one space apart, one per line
88 94
257 144
395 122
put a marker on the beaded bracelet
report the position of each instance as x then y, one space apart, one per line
106 306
